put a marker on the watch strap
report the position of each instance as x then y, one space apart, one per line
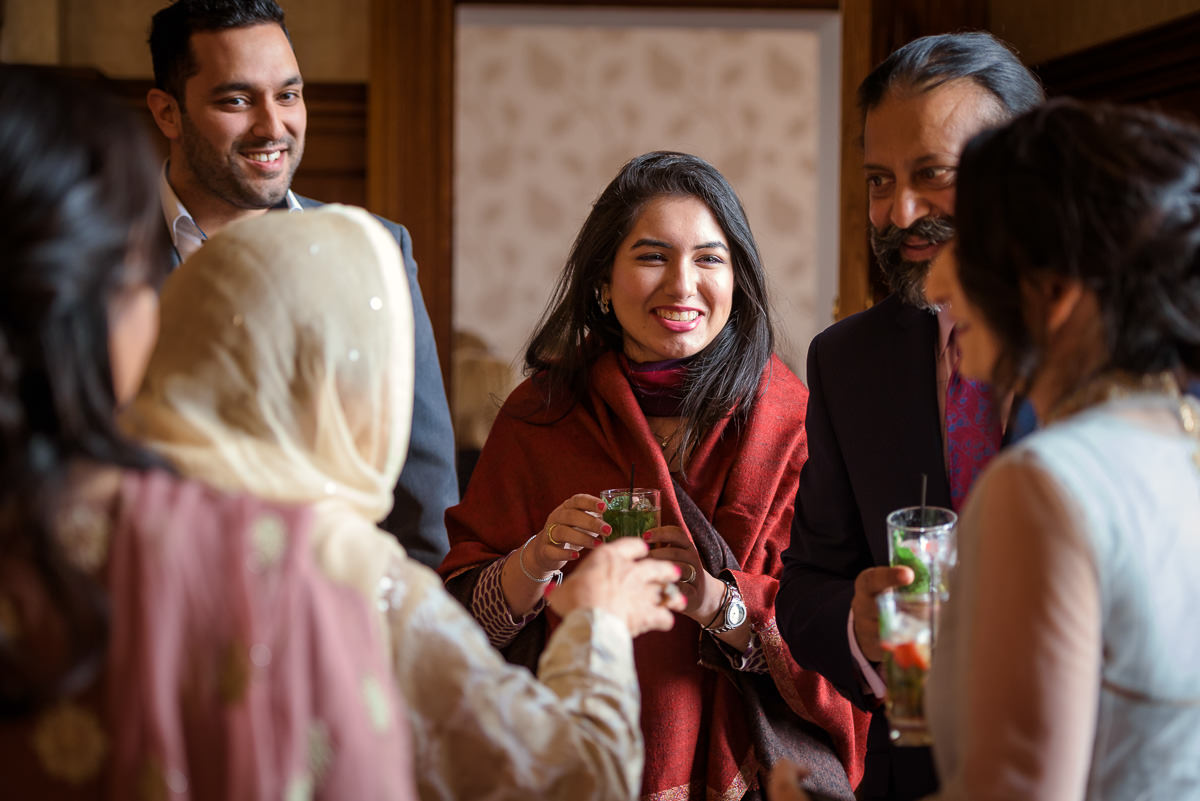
720 607
732 595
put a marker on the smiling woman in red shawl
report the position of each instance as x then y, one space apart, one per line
655 359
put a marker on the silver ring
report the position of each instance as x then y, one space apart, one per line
690 578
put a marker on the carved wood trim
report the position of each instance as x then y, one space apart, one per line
1159 66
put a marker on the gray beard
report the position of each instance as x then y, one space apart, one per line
907 278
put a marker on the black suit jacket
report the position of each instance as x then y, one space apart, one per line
428 484
873 430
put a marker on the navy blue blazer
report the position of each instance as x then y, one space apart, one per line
428 484
873 429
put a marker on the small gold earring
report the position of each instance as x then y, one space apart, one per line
604 307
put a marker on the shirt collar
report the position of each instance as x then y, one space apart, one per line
945 329
179 219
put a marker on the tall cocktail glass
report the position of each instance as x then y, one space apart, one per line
920 538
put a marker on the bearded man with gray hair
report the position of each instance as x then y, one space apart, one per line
886 404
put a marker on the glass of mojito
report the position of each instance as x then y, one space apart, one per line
920 538
631 513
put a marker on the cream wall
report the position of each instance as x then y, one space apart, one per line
1042 30
550 104
330 38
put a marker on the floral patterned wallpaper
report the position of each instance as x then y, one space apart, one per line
546 113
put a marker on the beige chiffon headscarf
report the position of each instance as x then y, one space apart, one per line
284 369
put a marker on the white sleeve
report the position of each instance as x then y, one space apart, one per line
1026 685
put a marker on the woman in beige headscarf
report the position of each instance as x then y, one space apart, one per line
284 368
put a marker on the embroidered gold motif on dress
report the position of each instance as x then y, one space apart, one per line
376 701
681 793
320 749
773 649
268 539
300 788
83 532
1119 384
70 743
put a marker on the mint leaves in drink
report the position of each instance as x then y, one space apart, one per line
627 522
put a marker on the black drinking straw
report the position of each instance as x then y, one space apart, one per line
924 486
632 465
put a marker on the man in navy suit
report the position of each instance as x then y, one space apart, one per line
875 420
229 97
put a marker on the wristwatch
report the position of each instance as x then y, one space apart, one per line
735 610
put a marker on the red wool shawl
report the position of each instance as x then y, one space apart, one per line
694 727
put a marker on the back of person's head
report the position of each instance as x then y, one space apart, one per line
79 225
284 364
1104 195
929 62
171 32
575 331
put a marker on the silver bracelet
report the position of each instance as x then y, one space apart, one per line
556 575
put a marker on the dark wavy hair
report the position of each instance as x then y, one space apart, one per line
1106 195
171 30
79 222
925 64
573 333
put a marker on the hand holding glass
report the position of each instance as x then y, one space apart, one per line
920 538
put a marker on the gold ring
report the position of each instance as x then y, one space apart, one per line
691 574
550 535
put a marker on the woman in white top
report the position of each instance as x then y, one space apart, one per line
1066 666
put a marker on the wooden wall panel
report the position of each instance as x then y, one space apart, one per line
854 260
334 168
871 29
410 141
1159 67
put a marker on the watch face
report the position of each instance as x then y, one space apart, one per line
735 614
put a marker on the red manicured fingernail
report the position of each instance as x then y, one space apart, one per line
574 555
600 506
647 536
599 541
678 570
606 529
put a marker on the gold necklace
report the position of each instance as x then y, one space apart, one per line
663 440
1120 384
